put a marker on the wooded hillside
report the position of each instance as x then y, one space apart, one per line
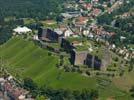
30 8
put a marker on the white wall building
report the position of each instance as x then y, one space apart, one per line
21 30
68 33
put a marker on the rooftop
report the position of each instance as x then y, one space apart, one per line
80 43
82 48
20 30
50 22
72 39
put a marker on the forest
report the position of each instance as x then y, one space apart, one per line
30 8
14 10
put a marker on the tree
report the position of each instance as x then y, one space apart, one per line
39 9
131 66
94 94
29 84
132 91
85 95
41 98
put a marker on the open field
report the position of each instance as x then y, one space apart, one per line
125 82
24 58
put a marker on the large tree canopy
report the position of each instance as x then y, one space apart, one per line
30 8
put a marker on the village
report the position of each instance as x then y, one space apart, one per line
11 88
82 45
67 50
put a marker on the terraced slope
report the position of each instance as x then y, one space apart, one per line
28 60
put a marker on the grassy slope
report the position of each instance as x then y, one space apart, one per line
28 60
125 82
31 61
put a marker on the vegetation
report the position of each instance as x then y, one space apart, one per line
6 29
132 91
121 26
25 12
38 67
25 59
59 94
38 9
54 82
108 18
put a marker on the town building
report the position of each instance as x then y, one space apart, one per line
10 90
49 35
85 58
80 54
78 57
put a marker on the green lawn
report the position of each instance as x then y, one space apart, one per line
26 59
28 21
31 61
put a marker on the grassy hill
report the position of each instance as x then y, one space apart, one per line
24 58
29 60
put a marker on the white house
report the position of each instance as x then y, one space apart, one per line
68 33
58 31
21 30
21 97
122 38
35 37
2 80
86 32
10 78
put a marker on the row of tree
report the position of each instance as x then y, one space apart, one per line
59 94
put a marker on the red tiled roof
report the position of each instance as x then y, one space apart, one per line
96 11
87 5
81 20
